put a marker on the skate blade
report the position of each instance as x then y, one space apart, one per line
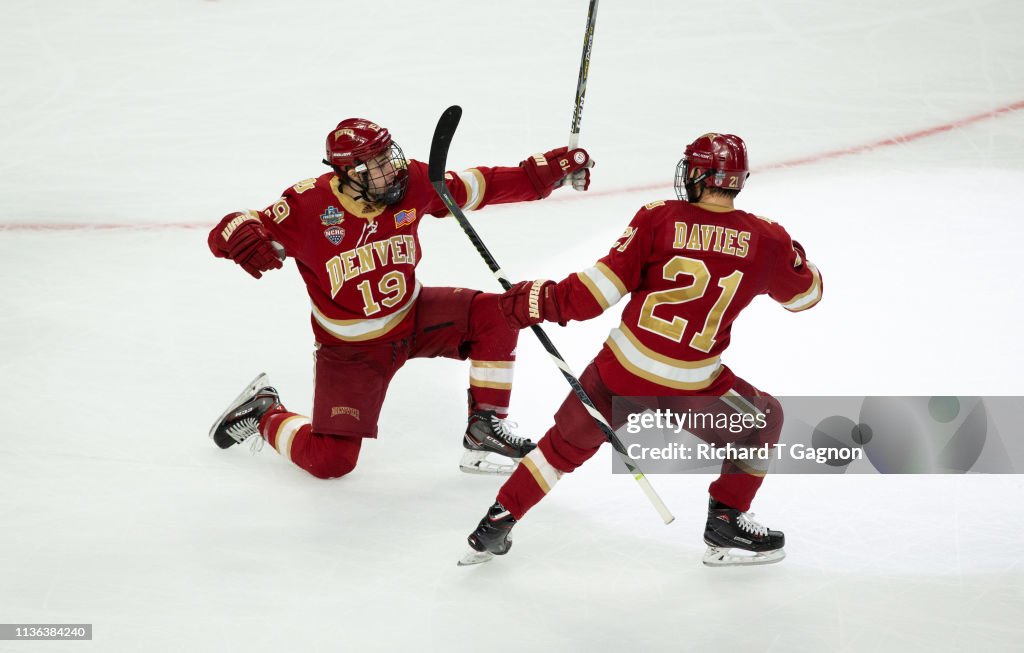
259 382
723 557
474 557
476 462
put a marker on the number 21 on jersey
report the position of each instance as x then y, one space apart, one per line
673 329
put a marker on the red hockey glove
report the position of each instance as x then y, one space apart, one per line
243 239
531 302
548 171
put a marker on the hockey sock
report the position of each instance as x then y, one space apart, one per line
490 385
532 479
280 428
492 355
323 456
737 488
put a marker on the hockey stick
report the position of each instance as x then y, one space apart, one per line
581 83
438 161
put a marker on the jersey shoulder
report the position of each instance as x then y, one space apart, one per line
308 191
659 210
418 168
766 227
304 186
419 193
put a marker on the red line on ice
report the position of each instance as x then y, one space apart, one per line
831 154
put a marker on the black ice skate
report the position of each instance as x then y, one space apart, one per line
242 417
729 529
487 433
492 537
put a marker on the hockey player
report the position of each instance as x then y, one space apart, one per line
352 233
689 267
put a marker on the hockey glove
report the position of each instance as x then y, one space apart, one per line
531 302
550 170
242 238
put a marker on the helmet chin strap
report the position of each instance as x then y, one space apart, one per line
693 195
362 189
392 194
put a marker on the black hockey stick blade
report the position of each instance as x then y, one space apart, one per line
442 140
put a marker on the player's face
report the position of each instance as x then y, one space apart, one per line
385 176
381 173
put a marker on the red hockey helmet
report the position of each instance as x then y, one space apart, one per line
379 161
355 141
718 160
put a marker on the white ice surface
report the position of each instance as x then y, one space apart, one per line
119 346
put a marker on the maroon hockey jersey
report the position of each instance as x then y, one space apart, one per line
689 270
358 260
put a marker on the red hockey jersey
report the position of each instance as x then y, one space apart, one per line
689 270
358 260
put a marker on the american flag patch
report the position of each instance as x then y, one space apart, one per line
404 218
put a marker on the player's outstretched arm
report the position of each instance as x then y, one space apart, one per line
534 178
585 294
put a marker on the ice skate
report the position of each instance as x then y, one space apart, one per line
493 536
735 539
488 434
242 417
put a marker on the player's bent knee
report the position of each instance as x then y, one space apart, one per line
331 469
332 456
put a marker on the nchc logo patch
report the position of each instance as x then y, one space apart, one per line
405 218
335 234
331 216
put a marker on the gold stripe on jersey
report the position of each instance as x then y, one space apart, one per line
360 330
667 360
476 188
658 368
809 297
603 284
543 472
